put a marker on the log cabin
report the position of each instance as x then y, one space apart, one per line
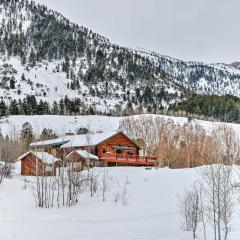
111 148
38 164
81 159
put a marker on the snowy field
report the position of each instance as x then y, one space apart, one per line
62 124
151 212
59 124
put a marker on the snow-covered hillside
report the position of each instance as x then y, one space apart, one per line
151 212
44 82
43 54
215 78
62 124
59 124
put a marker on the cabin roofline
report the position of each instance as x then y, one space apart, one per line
101 142
120 132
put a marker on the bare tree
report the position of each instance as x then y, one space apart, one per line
5 171
210 201
183 145
105 183
217 183
203 209
190 210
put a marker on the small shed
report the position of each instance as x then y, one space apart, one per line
81 159
38 164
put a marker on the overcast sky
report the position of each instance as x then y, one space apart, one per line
202 30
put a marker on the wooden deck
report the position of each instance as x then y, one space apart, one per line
128 159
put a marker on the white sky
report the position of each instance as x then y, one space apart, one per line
203 30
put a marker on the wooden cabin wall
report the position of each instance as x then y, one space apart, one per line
118 140
79 162
28 166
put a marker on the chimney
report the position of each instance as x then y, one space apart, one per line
69 133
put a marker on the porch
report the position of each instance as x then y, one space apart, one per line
125 159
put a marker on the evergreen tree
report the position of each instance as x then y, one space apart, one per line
12 83
3 109
55 109
40 108
13 108
61 107
26 134
48 134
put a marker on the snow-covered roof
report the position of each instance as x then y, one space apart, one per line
84 154
45 157
88 139
57 141
77 140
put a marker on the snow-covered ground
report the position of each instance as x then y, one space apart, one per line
151 212
62 124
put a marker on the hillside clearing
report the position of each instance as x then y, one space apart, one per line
12 125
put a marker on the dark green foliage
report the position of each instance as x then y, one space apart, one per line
82 130
3 109
14 108
26 133
30 106
48 134
12 83
224 108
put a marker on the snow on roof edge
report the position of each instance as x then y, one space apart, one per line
84 154
45 157
80 140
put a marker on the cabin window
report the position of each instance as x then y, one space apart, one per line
119 151
48 165
130 151
104 150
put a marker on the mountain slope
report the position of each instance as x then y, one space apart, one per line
45 55
236 65
199 77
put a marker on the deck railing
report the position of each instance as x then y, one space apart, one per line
128 159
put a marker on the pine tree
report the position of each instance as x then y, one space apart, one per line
13 108
26 134
61 107
12 83
40 108
23 78
47 134
55 109
3 109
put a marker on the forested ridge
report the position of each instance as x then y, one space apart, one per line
224 108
